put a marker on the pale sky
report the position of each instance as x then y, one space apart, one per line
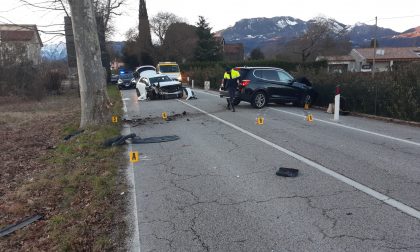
397 15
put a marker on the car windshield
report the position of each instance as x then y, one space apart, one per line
169 69
159 79
126 76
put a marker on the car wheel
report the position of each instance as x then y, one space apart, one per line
138 92
259 100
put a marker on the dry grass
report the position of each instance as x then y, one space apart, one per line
75 184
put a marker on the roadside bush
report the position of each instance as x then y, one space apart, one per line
393 94
32 82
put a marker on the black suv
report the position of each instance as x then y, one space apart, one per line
261 85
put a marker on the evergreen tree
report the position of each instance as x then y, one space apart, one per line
144 40
208 49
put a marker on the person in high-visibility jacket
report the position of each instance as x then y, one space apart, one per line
230 83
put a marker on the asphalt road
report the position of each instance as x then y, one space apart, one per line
215 189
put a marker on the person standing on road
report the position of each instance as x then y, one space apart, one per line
230 83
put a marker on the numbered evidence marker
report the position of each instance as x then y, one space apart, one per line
114 119
260 120
134 156
164 115
309 118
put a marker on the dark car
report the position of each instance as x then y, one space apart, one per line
126 80
262 85
114 78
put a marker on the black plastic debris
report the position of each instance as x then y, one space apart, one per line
287 172
138 140
73 134
21 224
119 140
184 113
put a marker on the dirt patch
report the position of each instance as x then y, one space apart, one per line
74 184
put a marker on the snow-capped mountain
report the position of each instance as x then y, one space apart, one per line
54 51
256 32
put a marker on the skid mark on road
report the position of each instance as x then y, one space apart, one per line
382 197
336 124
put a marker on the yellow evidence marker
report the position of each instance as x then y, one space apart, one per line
309 118
164 115
306 106
260 120
134 156
114 119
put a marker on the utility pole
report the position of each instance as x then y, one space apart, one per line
373 64
374 47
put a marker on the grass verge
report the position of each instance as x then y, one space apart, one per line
78 190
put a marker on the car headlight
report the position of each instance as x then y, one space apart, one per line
179 78
120 81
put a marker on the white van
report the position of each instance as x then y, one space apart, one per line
171 69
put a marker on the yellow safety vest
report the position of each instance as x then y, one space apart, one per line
235 74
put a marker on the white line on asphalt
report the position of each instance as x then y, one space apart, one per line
340 125
352 128
135 246
386 199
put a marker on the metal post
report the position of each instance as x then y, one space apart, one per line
192 84
374 48
337 104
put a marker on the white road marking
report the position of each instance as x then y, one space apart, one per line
126 99
382 197
135 246
339 125
352 128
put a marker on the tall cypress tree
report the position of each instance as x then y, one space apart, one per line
207 48
144 39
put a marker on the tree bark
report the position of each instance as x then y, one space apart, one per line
93 93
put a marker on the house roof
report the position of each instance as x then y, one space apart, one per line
390 53
11 32
234 48
336 58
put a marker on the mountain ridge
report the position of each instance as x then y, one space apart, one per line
255 32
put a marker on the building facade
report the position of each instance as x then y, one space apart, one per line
361 59
19 43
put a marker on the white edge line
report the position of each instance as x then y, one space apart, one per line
135 246
339 125
387 200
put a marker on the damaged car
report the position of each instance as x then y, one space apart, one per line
159 86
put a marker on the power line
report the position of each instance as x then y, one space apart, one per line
386 18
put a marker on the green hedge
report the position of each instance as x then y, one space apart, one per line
213 71
288 66
393 94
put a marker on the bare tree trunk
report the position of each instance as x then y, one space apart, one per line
93 94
